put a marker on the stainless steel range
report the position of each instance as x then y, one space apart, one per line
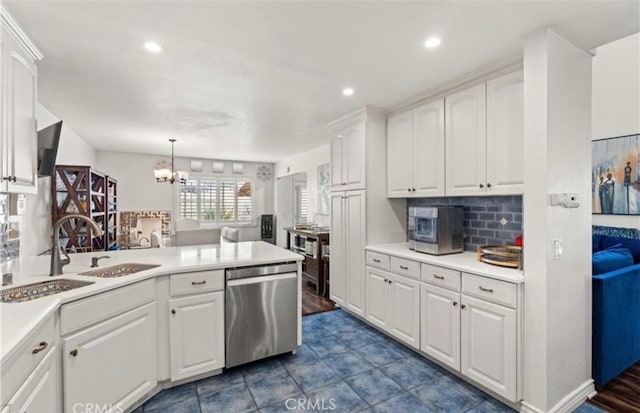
261 309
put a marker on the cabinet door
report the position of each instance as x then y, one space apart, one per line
428 149
21 141
353 157
196 334
337 286
399 155
489 345
337 155
38 393
465 121
377 308
113 362
404 309
440 324
505 134
354 258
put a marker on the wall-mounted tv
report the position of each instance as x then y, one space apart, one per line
48 140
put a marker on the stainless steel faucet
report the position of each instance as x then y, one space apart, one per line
57 262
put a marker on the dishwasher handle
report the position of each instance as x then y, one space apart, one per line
260 271
259 280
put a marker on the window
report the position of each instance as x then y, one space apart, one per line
216 200
302 204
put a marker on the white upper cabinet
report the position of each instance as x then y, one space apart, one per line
484 138
505 134
399 157
466 141
18 76
348 158
415 152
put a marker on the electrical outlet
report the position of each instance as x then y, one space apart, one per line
557 249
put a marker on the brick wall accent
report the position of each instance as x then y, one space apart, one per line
482 216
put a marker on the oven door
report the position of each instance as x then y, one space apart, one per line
426 229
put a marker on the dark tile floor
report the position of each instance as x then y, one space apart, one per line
342 366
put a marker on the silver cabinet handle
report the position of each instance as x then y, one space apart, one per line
489 290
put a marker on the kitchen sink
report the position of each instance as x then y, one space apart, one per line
119 270
37 290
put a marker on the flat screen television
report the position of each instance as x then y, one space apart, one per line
48 140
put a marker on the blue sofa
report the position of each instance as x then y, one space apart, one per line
616 312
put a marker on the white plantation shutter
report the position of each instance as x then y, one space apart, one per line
208 206
189 199
303 205
216 200
244 201
227 201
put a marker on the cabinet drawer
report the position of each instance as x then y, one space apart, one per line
378 260
196 282
88 311
404 267
443 277
37 345
499 292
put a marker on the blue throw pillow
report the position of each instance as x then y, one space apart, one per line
630 243
611 259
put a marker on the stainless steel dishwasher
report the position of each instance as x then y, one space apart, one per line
261 308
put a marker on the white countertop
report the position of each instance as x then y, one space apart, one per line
19 319
464 261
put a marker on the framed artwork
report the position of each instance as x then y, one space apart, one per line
615 176
324 189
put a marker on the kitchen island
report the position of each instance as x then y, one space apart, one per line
160 327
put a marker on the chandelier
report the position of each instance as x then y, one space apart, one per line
165 171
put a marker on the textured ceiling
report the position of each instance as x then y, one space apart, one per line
259 81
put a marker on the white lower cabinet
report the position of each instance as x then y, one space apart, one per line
472 335
489 345
440 324
38 393
347 252
113 364
393 304
467 322
196 334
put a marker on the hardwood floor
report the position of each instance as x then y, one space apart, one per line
313 303
621 394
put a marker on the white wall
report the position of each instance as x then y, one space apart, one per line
557 303
307 162
138 190
35 225
616 102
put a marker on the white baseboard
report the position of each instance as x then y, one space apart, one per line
568 403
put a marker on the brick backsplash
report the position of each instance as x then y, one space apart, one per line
482 216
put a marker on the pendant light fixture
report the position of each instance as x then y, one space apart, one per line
165 172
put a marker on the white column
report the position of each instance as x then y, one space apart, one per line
557 114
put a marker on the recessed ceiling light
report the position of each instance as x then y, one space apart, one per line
432 42
347 91
153 47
